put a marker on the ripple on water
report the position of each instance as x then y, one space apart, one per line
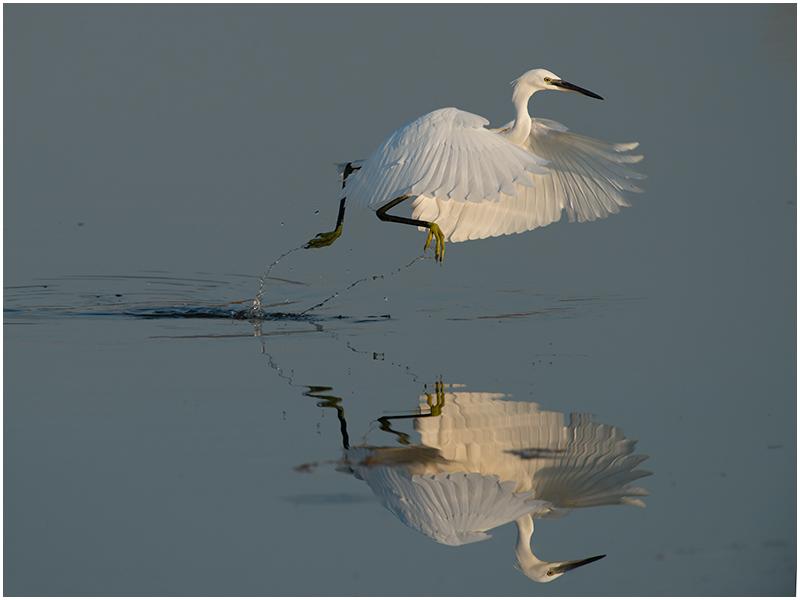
152 297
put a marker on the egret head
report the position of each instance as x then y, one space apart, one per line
542 79
539 570
542 572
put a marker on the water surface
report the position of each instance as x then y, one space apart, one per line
158 440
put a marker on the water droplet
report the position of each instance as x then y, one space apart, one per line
316 212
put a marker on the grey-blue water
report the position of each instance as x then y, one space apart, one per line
158 158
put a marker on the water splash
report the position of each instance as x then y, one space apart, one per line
355 283
256 311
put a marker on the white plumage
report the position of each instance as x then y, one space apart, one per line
451 508
587 179
469 182
446 154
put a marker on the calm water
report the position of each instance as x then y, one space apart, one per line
157 159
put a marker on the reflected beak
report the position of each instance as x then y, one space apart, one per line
568 566
574 88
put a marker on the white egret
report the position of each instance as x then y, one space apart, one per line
470 182
485 461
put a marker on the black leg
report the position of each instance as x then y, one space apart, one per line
349 169
433 228
331 402
326 239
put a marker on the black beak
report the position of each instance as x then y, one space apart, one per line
568 566
574 88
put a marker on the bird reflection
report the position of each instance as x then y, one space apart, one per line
485 460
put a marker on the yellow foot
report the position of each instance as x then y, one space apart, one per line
323 239
436 409
433 230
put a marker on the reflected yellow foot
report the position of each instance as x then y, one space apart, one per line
433 230
436 409
324 239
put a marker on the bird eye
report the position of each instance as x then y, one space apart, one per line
549 573
547 80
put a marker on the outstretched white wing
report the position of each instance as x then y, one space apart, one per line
588 178
447 154
451 508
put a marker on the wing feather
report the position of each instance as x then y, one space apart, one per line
432 156
588 179
476 172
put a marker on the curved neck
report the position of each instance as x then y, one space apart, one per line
522 124
524 533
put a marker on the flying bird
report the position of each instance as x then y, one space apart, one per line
469 182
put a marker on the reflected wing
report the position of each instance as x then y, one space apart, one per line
567 466
588 178
596 468
451 508
447 154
